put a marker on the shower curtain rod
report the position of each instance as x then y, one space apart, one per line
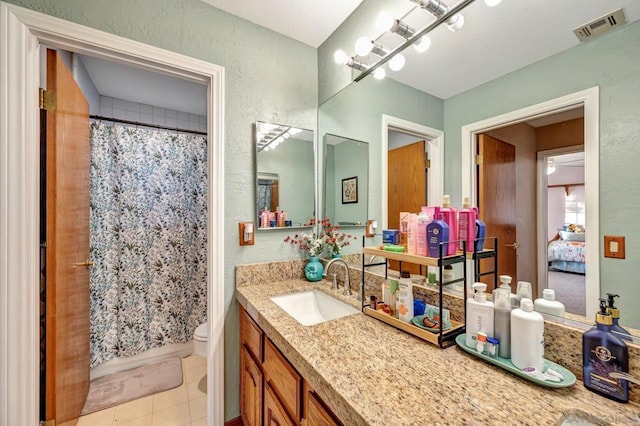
138 123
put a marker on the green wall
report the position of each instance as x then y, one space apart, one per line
612 62
269 77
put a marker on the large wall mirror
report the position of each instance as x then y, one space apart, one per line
346 180
478 82
285 178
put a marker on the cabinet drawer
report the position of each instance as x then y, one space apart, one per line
284 379
274 413
317 413
250 390
250 335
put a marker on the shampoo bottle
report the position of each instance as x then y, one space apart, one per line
412 240
548 304
502 320
527 337
481 230
423 221
479 314
615 316
450 215
405 298
404 230
467 225
437 233
604 352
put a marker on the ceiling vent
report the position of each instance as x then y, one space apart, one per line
601 25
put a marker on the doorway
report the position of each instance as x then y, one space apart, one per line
24 32
588 100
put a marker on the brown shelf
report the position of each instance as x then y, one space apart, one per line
410 328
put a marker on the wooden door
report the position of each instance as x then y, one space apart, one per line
274 412
67 237
406 187
250 390
497 202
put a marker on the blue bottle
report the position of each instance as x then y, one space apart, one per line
604 352
481 229
437 234
615 315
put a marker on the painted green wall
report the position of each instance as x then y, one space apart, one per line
269 77
612 62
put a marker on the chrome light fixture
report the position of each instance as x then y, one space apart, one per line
341 57
386 22
365 45
438 9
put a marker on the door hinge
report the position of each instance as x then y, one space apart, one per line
478 160
47 100
47 423
427 164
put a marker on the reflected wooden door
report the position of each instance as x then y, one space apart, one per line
67 237
497 202
406 187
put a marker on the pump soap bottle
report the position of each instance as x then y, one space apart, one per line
603 352
615 315
479 314
505 282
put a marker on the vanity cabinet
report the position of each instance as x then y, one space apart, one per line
272 392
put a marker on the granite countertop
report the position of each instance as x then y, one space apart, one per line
370 373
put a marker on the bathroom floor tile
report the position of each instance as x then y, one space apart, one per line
173 416
194 392
99 418
140 421
201 422
170 398
198 408
134 409
194 361
194 374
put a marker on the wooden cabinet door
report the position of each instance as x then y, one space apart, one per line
274 412
250 390
317 413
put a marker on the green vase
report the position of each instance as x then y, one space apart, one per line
336 255
314 269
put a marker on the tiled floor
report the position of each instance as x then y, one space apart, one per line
185 405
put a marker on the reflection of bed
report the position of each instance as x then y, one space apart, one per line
566 255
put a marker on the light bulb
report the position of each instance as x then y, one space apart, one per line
267 148
286 135
379 73
280 139
455 22
423 44
397 62
363 46
492 3
341 57
385 21
294 131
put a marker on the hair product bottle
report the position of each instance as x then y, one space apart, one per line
527 337
479 314
450 215
423 221
548 303
467 225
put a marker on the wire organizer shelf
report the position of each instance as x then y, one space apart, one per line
442 337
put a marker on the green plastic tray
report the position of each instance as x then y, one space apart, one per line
568 378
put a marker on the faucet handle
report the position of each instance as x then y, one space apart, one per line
334 282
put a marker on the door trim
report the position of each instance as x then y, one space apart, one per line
435 151
21 33
589 99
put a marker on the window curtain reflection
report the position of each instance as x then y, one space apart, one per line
148 229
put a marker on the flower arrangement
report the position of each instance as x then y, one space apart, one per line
328 239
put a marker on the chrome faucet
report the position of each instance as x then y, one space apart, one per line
347 286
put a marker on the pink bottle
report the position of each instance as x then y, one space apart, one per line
467 224
413 234
450 215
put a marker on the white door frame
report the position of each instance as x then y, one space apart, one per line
435 152
589 99
21 33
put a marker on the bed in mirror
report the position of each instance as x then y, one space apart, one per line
285 178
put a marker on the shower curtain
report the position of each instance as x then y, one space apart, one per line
148 228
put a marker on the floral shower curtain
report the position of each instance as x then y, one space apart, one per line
148 229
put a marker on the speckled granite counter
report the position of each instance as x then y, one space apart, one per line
371 373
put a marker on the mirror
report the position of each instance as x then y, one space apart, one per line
346 180
476 77
285 178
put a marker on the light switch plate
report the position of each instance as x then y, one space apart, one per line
614 246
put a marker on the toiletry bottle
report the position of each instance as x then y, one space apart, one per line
404 230
405 298
615 315
604 352
548 303
502 320
264 218
523 291
481 230
423 221
479 314
505 282
393 297
412 239
450 215
527 337
467 225
437 232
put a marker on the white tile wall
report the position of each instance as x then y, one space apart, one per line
134 111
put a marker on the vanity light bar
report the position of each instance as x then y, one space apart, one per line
272 136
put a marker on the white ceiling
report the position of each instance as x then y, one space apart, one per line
310 22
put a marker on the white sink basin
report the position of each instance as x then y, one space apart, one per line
313 307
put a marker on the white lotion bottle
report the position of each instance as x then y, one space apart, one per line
505 282
548 304
527 337
479 314
405 297
502 319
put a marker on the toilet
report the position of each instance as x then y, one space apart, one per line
200 338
